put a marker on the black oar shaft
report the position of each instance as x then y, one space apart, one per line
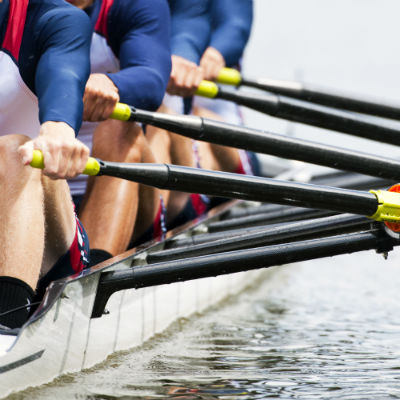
245 226
271 143
326 97
290 214
310 114
236 261
286 232
223 184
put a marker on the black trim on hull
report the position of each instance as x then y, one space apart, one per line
21 362
236 261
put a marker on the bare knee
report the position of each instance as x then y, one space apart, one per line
158 137
11 165
9 146
118 141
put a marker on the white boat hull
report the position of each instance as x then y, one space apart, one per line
65 339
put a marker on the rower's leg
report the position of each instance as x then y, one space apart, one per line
169 147
60 221
21 216
180 153
160 147
109 208
181 206
21 233
214 156
149 197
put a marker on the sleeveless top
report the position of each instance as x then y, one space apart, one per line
19 109
102 60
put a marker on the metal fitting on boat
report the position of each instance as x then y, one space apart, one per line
388 209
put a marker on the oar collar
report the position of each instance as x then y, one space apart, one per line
388 209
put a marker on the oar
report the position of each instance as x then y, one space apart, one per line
377 204
228 227
305 112
235 261
282 233
264 142
288 214
312 93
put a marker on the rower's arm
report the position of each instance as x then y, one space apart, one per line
141 42
231 24
63 67
190 20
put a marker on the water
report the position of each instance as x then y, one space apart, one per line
324 329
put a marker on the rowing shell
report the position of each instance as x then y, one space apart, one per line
62 337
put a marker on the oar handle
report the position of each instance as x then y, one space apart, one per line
122 112
92 166
229 76
207 89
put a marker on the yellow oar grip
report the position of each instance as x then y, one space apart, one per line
388 206
229 76
37 159
207 89
92 166
122 112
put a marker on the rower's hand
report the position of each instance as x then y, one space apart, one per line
185 77
64 156
212 62
100 98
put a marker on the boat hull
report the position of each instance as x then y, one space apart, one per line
63 338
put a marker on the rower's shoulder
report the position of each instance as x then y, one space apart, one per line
44 15
125 16
138 8
47 8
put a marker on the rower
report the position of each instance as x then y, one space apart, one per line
189 37
130 59
231 22
226 37
44 65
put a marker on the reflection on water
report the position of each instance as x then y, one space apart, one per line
326 329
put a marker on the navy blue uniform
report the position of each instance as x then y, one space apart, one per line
222 24
231 26
191 29
138 34
54 33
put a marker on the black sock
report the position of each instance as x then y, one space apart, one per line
97 256
14 293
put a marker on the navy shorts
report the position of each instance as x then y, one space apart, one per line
196 205
72 263
158 229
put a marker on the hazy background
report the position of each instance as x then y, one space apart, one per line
352 45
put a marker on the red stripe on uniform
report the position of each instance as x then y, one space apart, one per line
15 27
75 255
239 169
101 24
157 227
198 204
